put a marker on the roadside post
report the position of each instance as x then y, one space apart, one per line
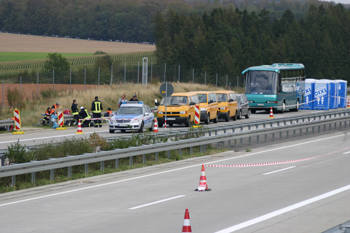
60 119
166 90
17 117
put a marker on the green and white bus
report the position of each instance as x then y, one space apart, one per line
274 86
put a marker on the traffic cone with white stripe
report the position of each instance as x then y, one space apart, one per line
155 126
271 113
203 186
187 225
348 106
79 131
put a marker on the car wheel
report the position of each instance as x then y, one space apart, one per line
141 128
151 129
227 118
215 120
235 117
239 114
207 119
248 114
187 124
111 130
122 130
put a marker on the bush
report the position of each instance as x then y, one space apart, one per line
49 93
15 98
17 153
99 52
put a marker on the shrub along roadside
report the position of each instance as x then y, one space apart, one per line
19 154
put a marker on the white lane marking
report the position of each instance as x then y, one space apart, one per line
283 210
268 173
346 152
163 172
32 139
156 202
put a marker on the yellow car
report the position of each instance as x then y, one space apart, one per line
227 105
180 109
208 105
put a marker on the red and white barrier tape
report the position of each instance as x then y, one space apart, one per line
274 163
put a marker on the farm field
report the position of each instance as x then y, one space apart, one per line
22 56
40 44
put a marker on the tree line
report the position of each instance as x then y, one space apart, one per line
228 40
129 20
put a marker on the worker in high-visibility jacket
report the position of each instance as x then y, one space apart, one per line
75 111
47 115
85 116
96 109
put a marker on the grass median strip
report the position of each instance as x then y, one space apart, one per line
17 153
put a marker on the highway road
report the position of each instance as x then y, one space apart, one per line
51 135
308 193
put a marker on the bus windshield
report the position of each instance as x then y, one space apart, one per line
261 82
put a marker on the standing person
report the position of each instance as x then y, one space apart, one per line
96 109
134 98
75 111
85 116
122 100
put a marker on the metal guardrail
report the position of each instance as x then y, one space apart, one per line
85 159
342 228
6 123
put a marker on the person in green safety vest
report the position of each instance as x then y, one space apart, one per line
75 111
85 116
96 108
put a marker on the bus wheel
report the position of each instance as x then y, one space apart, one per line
283 107
297 109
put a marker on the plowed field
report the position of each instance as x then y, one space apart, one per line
40 44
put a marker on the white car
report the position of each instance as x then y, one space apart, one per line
134 116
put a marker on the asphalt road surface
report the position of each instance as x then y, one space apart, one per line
309 192
51 135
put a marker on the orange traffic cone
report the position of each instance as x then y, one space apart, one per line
203 186
348 106
155 126
271 113
79 131
187 225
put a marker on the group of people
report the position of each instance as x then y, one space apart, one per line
96 108
83 114
50 111
123 100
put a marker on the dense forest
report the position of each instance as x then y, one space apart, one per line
127 20
228 40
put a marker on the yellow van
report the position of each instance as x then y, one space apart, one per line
227 105
180 109
208 105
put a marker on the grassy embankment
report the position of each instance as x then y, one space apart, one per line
108 95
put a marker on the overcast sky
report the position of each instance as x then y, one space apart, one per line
340 1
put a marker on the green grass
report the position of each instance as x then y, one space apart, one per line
75 59
21 56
